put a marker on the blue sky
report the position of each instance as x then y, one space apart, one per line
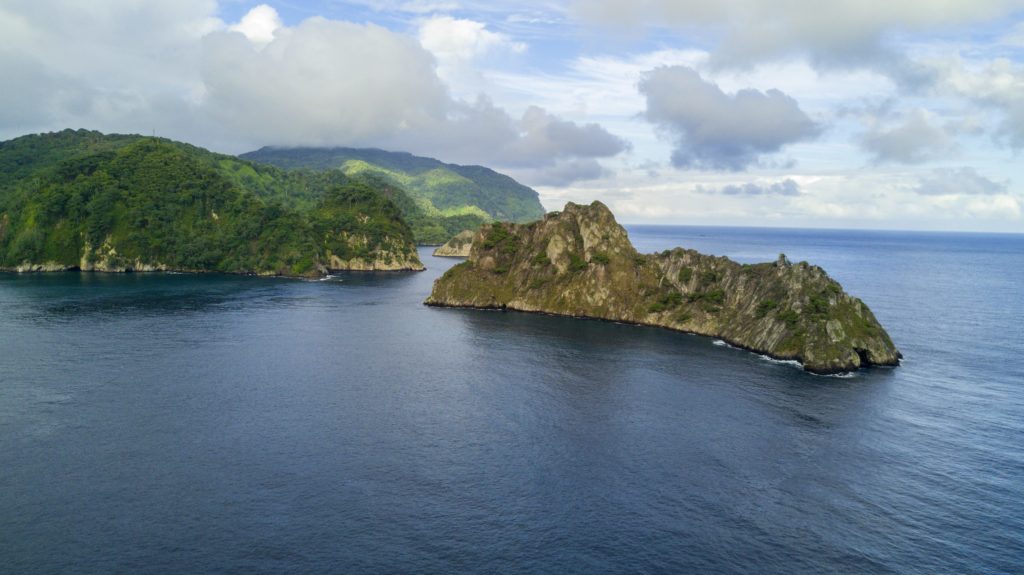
863 114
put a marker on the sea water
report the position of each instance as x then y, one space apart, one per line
175 423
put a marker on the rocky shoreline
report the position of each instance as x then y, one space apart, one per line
139 267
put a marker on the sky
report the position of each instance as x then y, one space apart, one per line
785 113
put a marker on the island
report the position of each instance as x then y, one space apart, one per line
580 263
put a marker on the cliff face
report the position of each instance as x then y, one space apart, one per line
580 262
458 246
388 254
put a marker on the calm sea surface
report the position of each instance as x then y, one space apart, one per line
215 424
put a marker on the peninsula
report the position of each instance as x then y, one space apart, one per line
580 263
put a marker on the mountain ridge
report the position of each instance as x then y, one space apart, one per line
448 197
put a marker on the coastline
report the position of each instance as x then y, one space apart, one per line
780 357
319 275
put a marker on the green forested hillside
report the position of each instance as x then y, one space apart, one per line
444 198
80 199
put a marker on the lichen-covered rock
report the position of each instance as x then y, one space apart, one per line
580 262
458 246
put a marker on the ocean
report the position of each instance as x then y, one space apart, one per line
165 423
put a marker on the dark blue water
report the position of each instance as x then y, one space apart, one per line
193 424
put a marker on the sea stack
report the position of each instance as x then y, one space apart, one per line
579 262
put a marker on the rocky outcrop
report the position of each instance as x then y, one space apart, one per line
457 247
387 255
580 262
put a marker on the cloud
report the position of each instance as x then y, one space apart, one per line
321 82
101 65
539 146
427 7
236 86
959 182
915 140
259 24
992 85
712 129
543 135
451 39
563 173
377 87
787 187
849 33
461 48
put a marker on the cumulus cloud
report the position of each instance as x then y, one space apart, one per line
259 24
455 39
236 86
991 86
321 82
913 141
377 87
958 182
539 146
847 33
712 129
462 47
102 65
563 172
787 187
543 135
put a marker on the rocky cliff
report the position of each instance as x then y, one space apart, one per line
458 246
580 262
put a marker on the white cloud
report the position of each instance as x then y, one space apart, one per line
427 6
321 82
787 187
845 33
562 173
461 46
539 146
377 87
997 85
257 82
259 24
459 40
959 182
712 129
913 141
